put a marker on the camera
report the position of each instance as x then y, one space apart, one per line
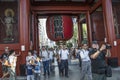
108 46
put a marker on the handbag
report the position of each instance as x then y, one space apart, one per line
108 71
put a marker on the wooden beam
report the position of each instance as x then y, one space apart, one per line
89 1
95 6
43 13
58 3
60 8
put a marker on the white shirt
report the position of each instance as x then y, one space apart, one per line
50 54
12 61
84 54
28 58
45 54
63 54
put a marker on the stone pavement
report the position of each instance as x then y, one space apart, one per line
74 74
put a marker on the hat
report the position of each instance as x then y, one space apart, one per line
94 42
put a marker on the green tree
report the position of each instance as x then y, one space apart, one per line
69 45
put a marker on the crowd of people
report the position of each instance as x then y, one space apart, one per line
91 61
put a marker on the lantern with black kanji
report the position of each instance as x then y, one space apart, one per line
59 27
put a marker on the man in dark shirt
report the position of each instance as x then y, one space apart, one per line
98 62
4 61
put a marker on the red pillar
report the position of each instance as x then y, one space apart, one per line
89 27
109 24
35 31
79 31
24 28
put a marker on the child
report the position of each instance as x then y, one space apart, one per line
30 72
37 69
29 65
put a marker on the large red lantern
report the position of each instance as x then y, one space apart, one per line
59 27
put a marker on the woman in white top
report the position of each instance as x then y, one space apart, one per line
12 62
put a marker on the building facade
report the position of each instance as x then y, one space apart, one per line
19 22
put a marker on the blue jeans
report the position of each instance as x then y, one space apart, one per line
86 70
46 67
37 76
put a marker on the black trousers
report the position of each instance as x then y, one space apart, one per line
64 67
